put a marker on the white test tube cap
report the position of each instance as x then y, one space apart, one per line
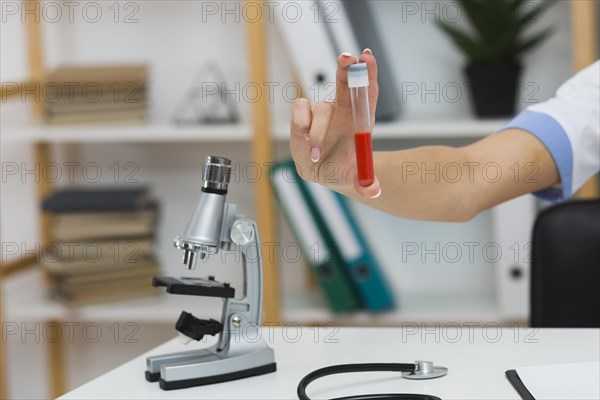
358 75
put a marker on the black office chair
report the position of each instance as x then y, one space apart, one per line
565 268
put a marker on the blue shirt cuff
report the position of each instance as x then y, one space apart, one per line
548 131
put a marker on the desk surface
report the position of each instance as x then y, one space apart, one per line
476 357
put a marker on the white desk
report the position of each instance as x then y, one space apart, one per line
476 359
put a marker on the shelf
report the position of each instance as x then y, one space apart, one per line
17 126
128 133
26 300
419 308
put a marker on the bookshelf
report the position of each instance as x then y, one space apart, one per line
258 133
26 294
466 129
26 301
16 126
296 307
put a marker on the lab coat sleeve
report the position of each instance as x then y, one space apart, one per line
569 126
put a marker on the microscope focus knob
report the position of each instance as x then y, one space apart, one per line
196 328
242 232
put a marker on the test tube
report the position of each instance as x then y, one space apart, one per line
358 82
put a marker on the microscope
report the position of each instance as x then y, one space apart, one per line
240 351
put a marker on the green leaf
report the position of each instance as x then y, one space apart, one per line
487 19
498 26
532 42
527 19
474 50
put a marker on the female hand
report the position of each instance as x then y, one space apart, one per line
322 138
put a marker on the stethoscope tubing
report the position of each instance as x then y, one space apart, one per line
370 367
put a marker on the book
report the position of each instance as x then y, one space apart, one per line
121 116
104 294
113 99
92 199
139 223
82 256
104 243
56 110
314 239
78 281
73 79
358 259
93 218
103 281
312 54
360 17
96 94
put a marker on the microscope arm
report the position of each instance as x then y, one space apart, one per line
241 235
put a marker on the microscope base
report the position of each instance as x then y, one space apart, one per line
186 383
204 367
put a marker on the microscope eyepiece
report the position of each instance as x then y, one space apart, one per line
216 173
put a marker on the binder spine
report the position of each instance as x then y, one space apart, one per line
315 241
357 258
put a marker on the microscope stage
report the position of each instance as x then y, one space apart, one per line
194 286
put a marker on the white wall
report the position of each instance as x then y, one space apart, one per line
423 55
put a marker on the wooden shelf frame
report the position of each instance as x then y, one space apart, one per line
262 150
263 154
584 41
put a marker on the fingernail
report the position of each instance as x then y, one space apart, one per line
377 195
367 51
315 154
346 54
306 136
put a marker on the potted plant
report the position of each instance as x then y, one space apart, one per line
494 49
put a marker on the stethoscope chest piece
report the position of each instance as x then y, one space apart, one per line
425 370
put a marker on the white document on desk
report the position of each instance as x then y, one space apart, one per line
562 381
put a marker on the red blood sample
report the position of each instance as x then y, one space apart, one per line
364 158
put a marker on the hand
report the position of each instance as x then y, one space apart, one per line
322 139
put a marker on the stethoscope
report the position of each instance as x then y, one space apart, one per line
418 370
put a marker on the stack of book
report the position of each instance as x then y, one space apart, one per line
102 244
96 94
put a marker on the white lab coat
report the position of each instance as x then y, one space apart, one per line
569 126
